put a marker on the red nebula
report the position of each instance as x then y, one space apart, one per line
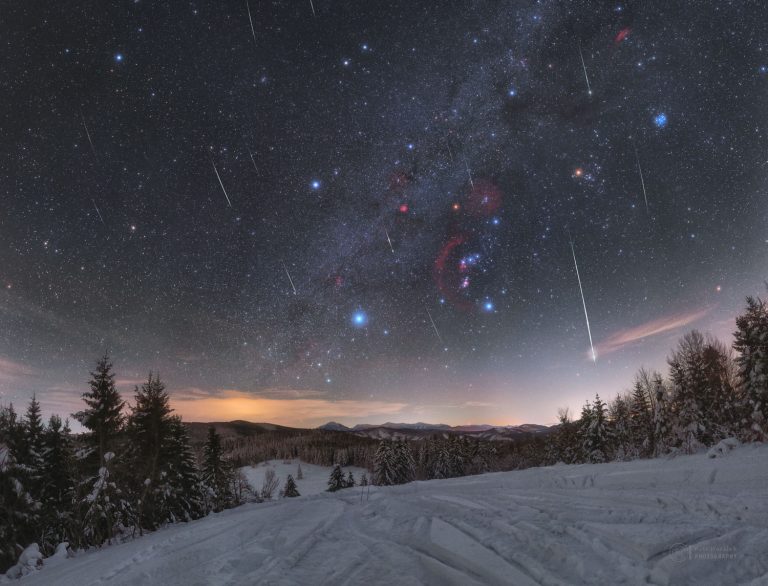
403 209
444 270
623 34
484 198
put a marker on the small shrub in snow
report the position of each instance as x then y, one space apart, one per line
722 447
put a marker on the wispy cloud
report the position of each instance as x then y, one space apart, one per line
651 328
11 370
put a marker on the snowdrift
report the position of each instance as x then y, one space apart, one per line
687 520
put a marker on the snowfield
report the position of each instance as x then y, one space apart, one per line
315 477
687 520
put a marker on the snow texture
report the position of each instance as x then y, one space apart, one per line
683 521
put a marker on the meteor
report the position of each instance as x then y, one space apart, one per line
584 303
584 67
220 182
253 32
439 337
289 278
388 240
642 181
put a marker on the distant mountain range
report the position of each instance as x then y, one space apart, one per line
421 430
232 430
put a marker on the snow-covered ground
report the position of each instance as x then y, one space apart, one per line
315 477
687 520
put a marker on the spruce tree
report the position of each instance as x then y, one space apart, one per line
103 417
384 470
596 433
59 483
336 479
149 431
661 418
350 481
216 473
290 490
184 498
20 512
641 421
364 479
751 345
299 473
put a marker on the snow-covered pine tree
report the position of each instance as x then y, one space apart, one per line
216 473
597 433
299 473
350 480
336 479
184 499
149 430
290 490
689 391
364 479
19 513
621 446
103 417
641 420
405 466
751 345
383 464
661 417
59 483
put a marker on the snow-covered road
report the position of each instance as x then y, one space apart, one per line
688 520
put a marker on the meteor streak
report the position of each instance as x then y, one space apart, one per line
220 182
584 67
642 180
439 337
584 303
388 240
253 32
289 278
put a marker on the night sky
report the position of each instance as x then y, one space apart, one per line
364 211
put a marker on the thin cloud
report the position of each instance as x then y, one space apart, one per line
651 328
11 370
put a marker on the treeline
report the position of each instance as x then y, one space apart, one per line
395 462
132 471
313 446
710 393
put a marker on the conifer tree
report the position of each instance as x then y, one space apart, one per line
641 426
336 479
59 483
149 430
751 344
596 434
299 473
19 513
103 416
364 479
384 470
661 418
290 490
184 497
217 473
350 481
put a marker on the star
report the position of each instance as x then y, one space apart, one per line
315 184
660 120
118 57
359 319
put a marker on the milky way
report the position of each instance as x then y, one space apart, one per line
268 195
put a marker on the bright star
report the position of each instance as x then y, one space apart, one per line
488 306
359 319
660 120
119 57
315 184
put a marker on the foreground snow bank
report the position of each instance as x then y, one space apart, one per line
688 520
